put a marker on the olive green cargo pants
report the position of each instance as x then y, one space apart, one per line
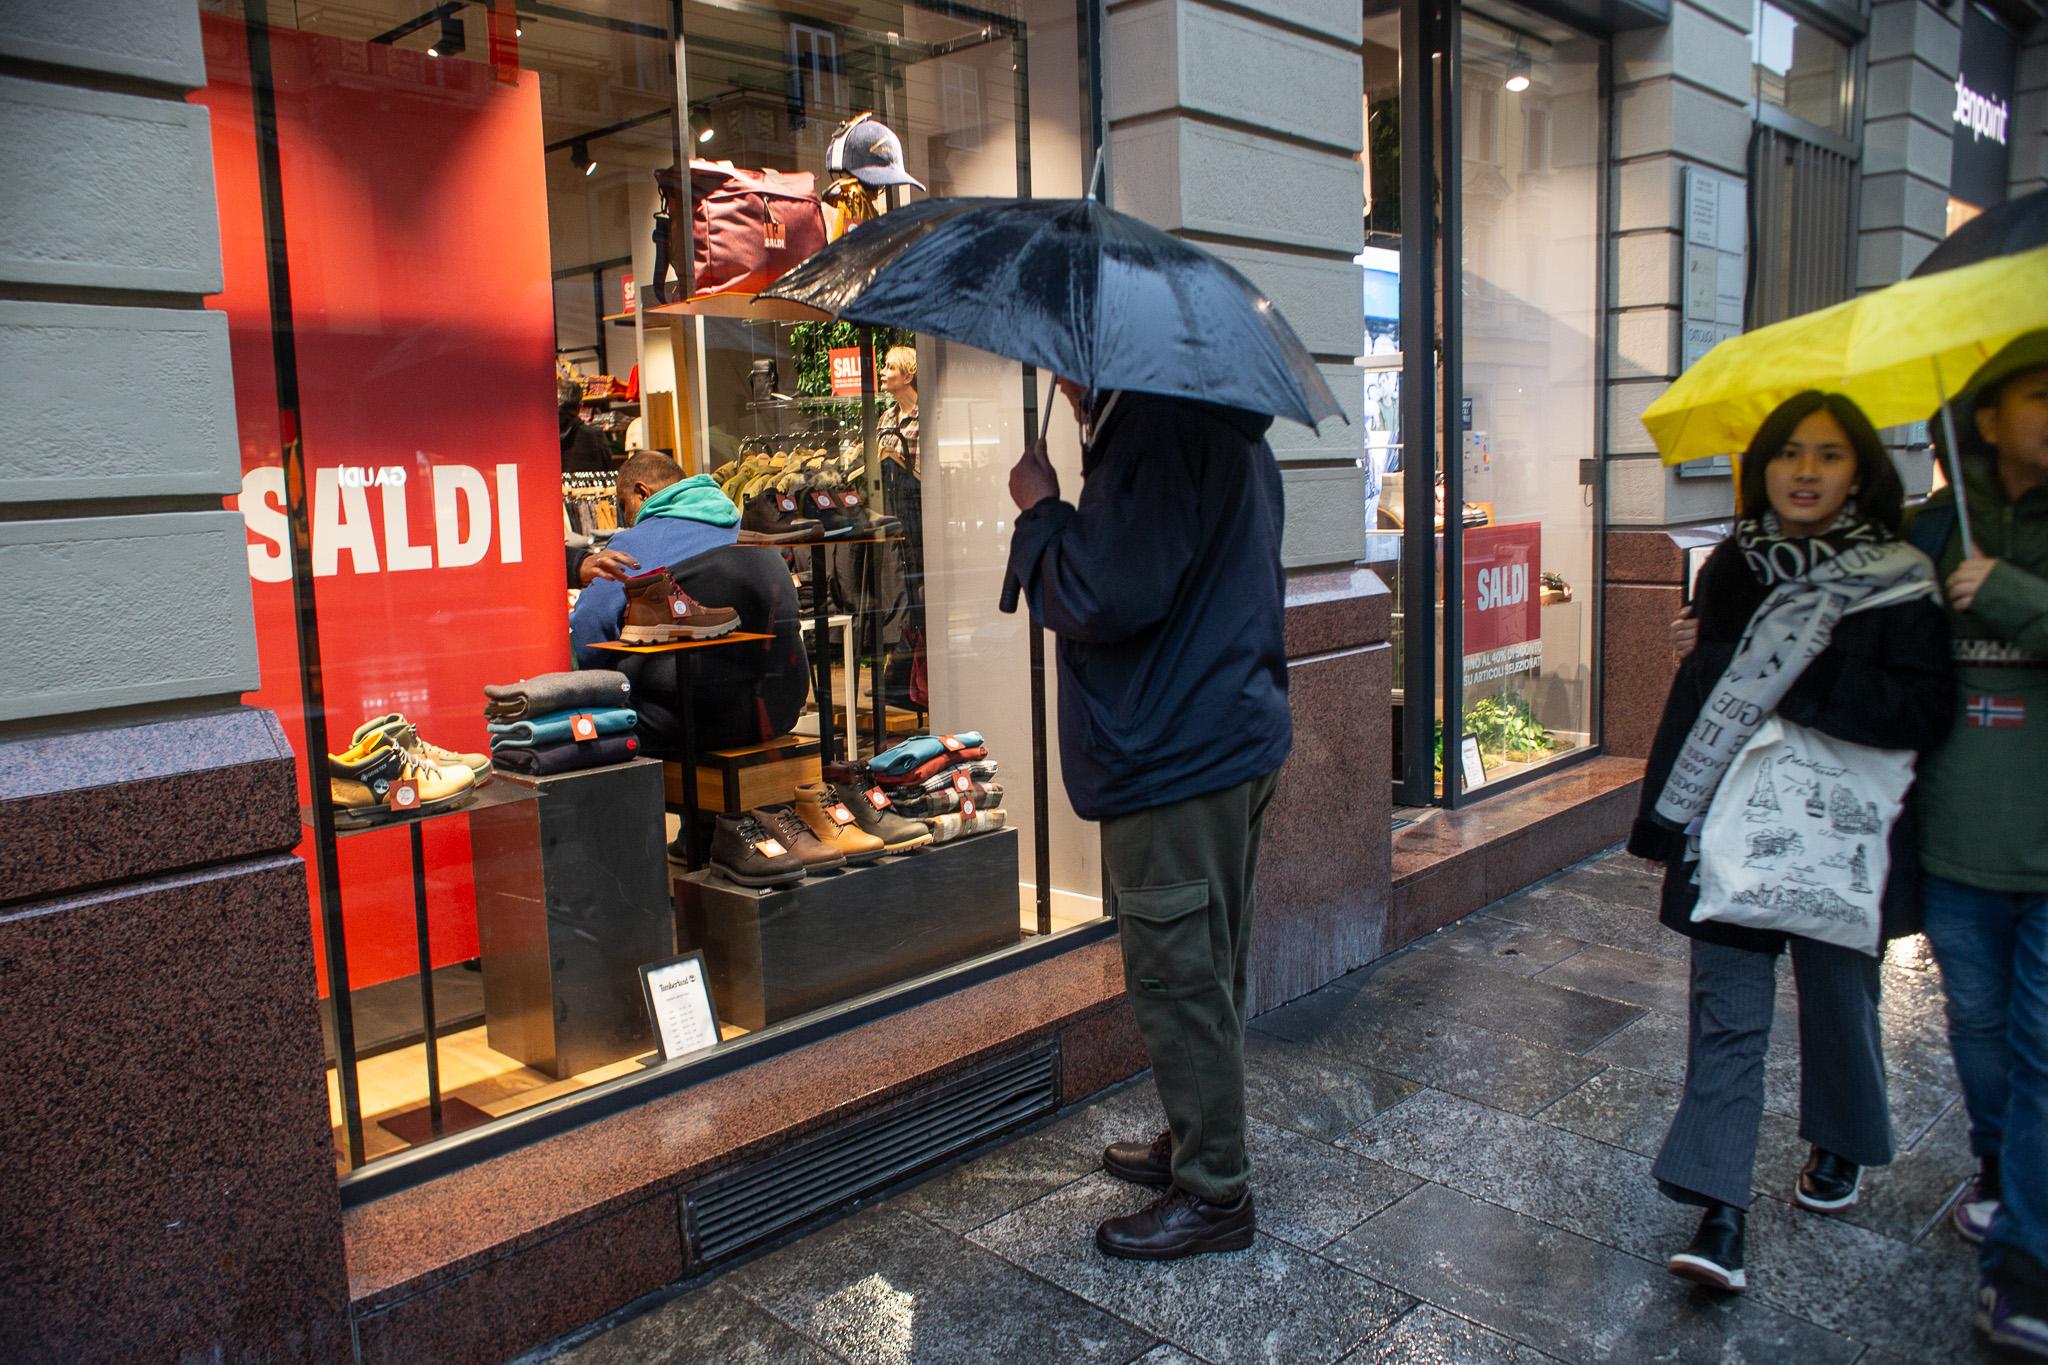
1181 880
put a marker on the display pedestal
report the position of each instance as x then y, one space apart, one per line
776 954
569 903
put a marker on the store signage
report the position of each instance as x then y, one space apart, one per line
1503 601
845 371
472 518
629 294
1979 152
678 996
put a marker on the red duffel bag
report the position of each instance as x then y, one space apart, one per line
750 228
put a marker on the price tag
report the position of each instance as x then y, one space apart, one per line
583 728
770 848
403 795
878 798
963 781
966 808
849 499
953 746
823 500
841 814
788 503
680 606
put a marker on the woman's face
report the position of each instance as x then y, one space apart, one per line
1812 476
893 378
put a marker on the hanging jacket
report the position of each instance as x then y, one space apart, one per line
1981 824
1165 590
1882 681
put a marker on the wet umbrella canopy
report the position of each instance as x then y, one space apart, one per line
2017 225
1069 286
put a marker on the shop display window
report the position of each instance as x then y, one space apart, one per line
491 274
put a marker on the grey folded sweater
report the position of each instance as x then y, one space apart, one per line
582 690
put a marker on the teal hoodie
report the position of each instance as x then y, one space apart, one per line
1982 821
696 498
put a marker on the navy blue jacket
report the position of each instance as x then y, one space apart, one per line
1165 590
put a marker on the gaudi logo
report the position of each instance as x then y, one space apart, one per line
1983 116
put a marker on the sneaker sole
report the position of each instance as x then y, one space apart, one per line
1700 1270
1236 1241
757 883
2011 1341
668 635
1813 1205
1973 1236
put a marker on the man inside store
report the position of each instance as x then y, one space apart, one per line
584 449
1164 588
664 518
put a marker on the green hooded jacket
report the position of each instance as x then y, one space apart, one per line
1984 815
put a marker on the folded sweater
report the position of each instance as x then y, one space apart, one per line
588 689
921 749
557 727
552 760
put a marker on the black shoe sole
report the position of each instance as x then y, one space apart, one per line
1138 1175
1232 1241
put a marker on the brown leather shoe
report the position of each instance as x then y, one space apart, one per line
1143 1163
1178 1224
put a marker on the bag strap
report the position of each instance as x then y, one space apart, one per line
1931 529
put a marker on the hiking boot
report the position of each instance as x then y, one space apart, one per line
743 851
1977 1205
871 811
822 501
863 520
774 519
362 778
407 737
830 817
660 613
1829 1184
1714 1257
793 834
1179 1224
1142 1163
2009 1325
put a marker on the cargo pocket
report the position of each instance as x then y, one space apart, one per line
1166 940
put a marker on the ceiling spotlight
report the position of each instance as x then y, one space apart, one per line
1518 72
452 40
579 157
701 125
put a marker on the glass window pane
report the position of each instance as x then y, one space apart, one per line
1800 68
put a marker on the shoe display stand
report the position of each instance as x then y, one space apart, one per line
570 903
498 795
868 626
778 953
686 718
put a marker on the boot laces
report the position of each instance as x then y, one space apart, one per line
789 825
752 830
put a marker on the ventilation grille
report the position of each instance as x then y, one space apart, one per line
731 1213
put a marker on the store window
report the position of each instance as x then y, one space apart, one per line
1802 68
490 274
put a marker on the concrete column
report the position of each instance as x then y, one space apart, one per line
1913 49
163 1136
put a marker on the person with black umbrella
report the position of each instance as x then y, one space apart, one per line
1163 585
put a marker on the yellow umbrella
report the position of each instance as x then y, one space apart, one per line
1898 352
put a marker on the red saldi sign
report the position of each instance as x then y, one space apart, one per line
845 371
1503 625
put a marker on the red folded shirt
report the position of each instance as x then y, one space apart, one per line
925 772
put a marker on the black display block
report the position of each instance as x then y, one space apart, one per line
570 901
780 953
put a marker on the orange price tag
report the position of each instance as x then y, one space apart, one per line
878 798
403 795
963 781
842 814
952 745
770 848
583 728
966 808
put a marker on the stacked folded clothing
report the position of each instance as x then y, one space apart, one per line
947 799
918 760
561 722
946 781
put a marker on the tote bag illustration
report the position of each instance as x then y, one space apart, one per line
1796 839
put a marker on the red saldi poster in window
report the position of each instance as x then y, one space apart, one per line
415 229
1503 623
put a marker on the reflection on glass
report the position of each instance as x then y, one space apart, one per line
1800 68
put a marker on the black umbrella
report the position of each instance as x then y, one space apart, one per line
2016 225
1069 286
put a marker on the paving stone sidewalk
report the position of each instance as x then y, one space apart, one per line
1452 1153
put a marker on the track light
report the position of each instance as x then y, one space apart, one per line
452 40
701 125
1518 72
579 157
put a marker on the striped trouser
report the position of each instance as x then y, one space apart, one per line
1710 1152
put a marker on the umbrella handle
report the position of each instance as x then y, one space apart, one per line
1007 603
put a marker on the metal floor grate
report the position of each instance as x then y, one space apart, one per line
728 1214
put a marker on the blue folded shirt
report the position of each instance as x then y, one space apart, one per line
916 752
554 727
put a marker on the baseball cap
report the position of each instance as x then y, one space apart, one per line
870 152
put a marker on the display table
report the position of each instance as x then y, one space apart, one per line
777 954
569 903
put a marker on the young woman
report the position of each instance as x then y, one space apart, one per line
1820 536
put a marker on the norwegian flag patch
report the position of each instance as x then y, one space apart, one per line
1995 713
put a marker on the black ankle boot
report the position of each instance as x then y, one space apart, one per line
1714 1258
1829 1183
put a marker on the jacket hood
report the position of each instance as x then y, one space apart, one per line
2028 351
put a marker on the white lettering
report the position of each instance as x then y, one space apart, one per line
262 507
400 553
508 514
341 521
1982 115
460 494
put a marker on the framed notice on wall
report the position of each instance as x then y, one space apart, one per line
678 997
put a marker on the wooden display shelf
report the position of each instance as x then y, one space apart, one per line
748 307
731 637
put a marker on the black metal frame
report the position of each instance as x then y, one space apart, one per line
1432 397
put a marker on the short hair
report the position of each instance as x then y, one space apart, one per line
1880 496
568 394
903 358
650 467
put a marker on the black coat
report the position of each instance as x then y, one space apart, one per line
1882 681
1165 589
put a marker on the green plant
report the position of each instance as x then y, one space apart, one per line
812 343
1506 726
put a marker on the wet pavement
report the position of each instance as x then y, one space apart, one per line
1452 1153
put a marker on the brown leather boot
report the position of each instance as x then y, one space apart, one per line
1179 1224
1145 1163
832 819
660 613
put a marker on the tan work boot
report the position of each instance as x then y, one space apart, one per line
361 779
660 613
833 821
